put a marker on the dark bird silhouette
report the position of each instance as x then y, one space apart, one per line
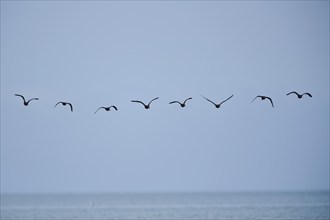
218 105
145 106
300 95
64 104
263 98
107 108
181 104
26 103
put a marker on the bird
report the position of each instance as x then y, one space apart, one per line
107 108
263 98
300 95
64 104
217 105
181 104
26 103
145 106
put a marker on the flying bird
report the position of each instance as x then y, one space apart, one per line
26 103
181 104
300 95
145 106
263 98
218 105
107 108
64 104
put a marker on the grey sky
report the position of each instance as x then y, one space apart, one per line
109 52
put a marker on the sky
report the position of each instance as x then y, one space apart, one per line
102 53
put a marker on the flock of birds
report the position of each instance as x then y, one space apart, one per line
182 104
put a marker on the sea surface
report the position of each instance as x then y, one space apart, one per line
244 205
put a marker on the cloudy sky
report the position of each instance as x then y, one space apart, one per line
105 53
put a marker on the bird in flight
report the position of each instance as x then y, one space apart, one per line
145 106
107 108
300 95
263 98
217 105
181 104
64 104
26 103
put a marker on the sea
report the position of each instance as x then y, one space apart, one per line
167 206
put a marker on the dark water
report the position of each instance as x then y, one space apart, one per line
271 205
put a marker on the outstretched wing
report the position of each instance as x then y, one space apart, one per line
187 100
258 96
32 99
293 92
70 106
271 101
137 101
20 96
175 102
57 104
209 100
153 100
98 109
226 99
114 107
306 93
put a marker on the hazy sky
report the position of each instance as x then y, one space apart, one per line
105 53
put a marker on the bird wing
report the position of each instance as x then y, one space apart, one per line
153 100
293 92
20 96
226 99
98 109
32 99
258 96
70 106
137 101
57 104
306 93
209 100
175 102
271 101
187 100
114 107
